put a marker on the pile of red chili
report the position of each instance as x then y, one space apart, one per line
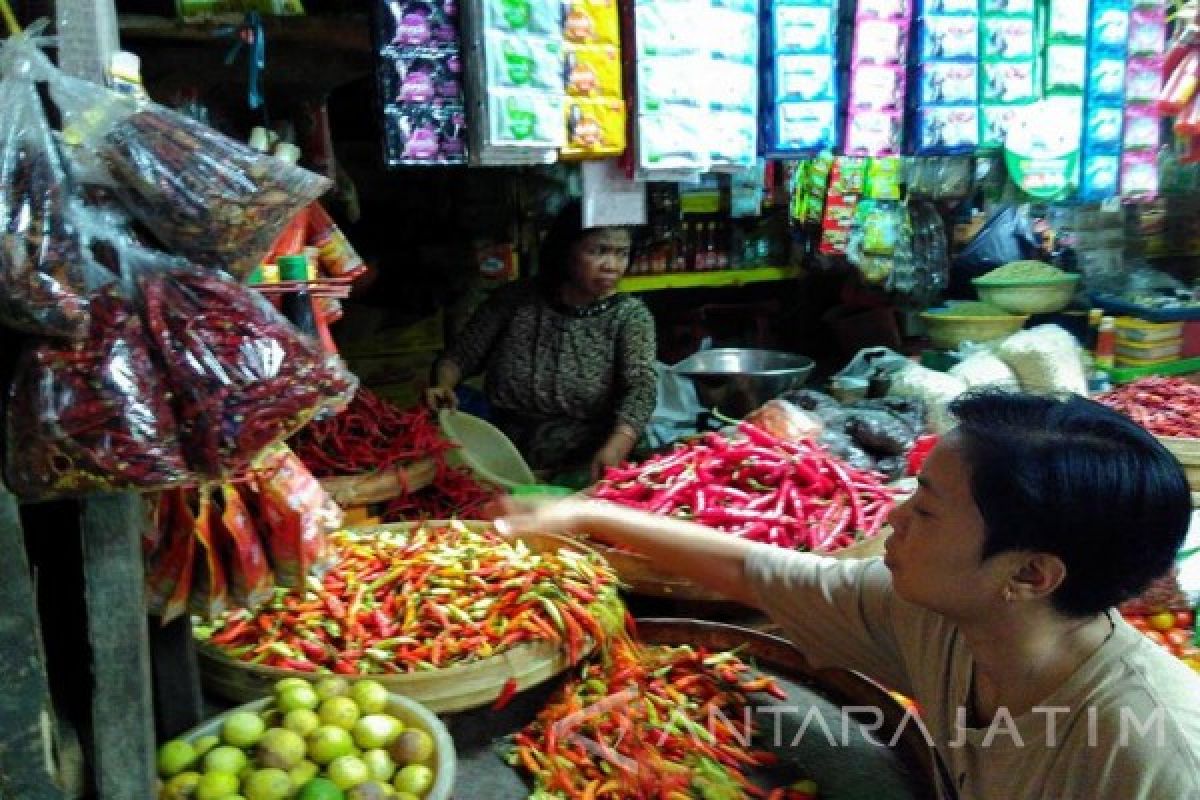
369 434
432 597
651 721
758 486
1163 406
372 434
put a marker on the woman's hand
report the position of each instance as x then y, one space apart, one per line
437 398
557 516
610 455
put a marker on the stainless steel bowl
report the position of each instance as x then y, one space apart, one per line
737 380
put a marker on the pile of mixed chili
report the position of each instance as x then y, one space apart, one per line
792 494
424 599
651 721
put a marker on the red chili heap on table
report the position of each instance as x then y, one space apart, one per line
1163 406
758 486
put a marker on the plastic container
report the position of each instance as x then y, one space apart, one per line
1140 331
1169 350
948 331
485 449
410 712
1028 297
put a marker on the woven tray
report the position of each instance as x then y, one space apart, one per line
455 688
381 486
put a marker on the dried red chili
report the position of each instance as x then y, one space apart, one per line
208 197
244 378
93 415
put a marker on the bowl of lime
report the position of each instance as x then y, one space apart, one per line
331 739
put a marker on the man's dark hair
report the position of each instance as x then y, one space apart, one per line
1070 477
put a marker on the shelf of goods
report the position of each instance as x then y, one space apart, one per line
699 280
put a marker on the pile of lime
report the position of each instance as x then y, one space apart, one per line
970 309
329 740
1021 271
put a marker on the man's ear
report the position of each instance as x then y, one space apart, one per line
1037 575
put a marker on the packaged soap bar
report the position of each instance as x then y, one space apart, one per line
1101 176
523 62
884 9
1103 131
803 29
951 7
595 127
949 83
874 132
949 38
805 126
523 16
525 118
877 86
665 28
881 41
800 77
1008 38
996 121
1106 81
592 70
1008 82
669 81
1068 20
1066 68
591 22
731 138
672 141
945 130
1110 30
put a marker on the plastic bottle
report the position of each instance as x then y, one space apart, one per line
1106 344
710 247
722 248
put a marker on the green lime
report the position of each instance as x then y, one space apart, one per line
320 789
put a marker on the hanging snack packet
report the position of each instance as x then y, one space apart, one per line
244 377
169 570
41 267
296 514
93 415
335 255
236 538
210 596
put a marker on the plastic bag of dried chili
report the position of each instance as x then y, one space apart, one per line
93 415
243 377
207 197
42 278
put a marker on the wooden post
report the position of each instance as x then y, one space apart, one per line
178 702
122 704
27 767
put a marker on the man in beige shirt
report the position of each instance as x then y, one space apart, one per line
993 606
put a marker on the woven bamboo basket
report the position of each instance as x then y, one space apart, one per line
1188 453
451 689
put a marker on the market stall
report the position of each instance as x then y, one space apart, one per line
293 581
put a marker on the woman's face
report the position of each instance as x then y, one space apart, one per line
935 552
599 259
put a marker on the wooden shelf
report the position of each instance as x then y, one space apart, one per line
700 280
305 55
350 32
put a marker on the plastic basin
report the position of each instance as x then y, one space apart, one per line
485 450
1028 297
947 331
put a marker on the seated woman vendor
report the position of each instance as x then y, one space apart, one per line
568 362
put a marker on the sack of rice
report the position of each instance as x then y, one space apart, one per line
936 389
984 369
1046 359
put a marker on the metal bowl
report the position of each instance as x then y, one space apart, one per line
737 380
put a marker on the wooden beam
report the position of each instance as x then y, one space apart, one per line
178 701
27 767
122 705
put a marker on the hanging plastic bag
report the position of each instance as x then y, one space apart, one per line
42 287
210 595
211 199
93 415
235 536
169 568
296 514
243 377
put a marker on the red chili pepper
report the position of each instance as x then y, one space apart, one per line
507 693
